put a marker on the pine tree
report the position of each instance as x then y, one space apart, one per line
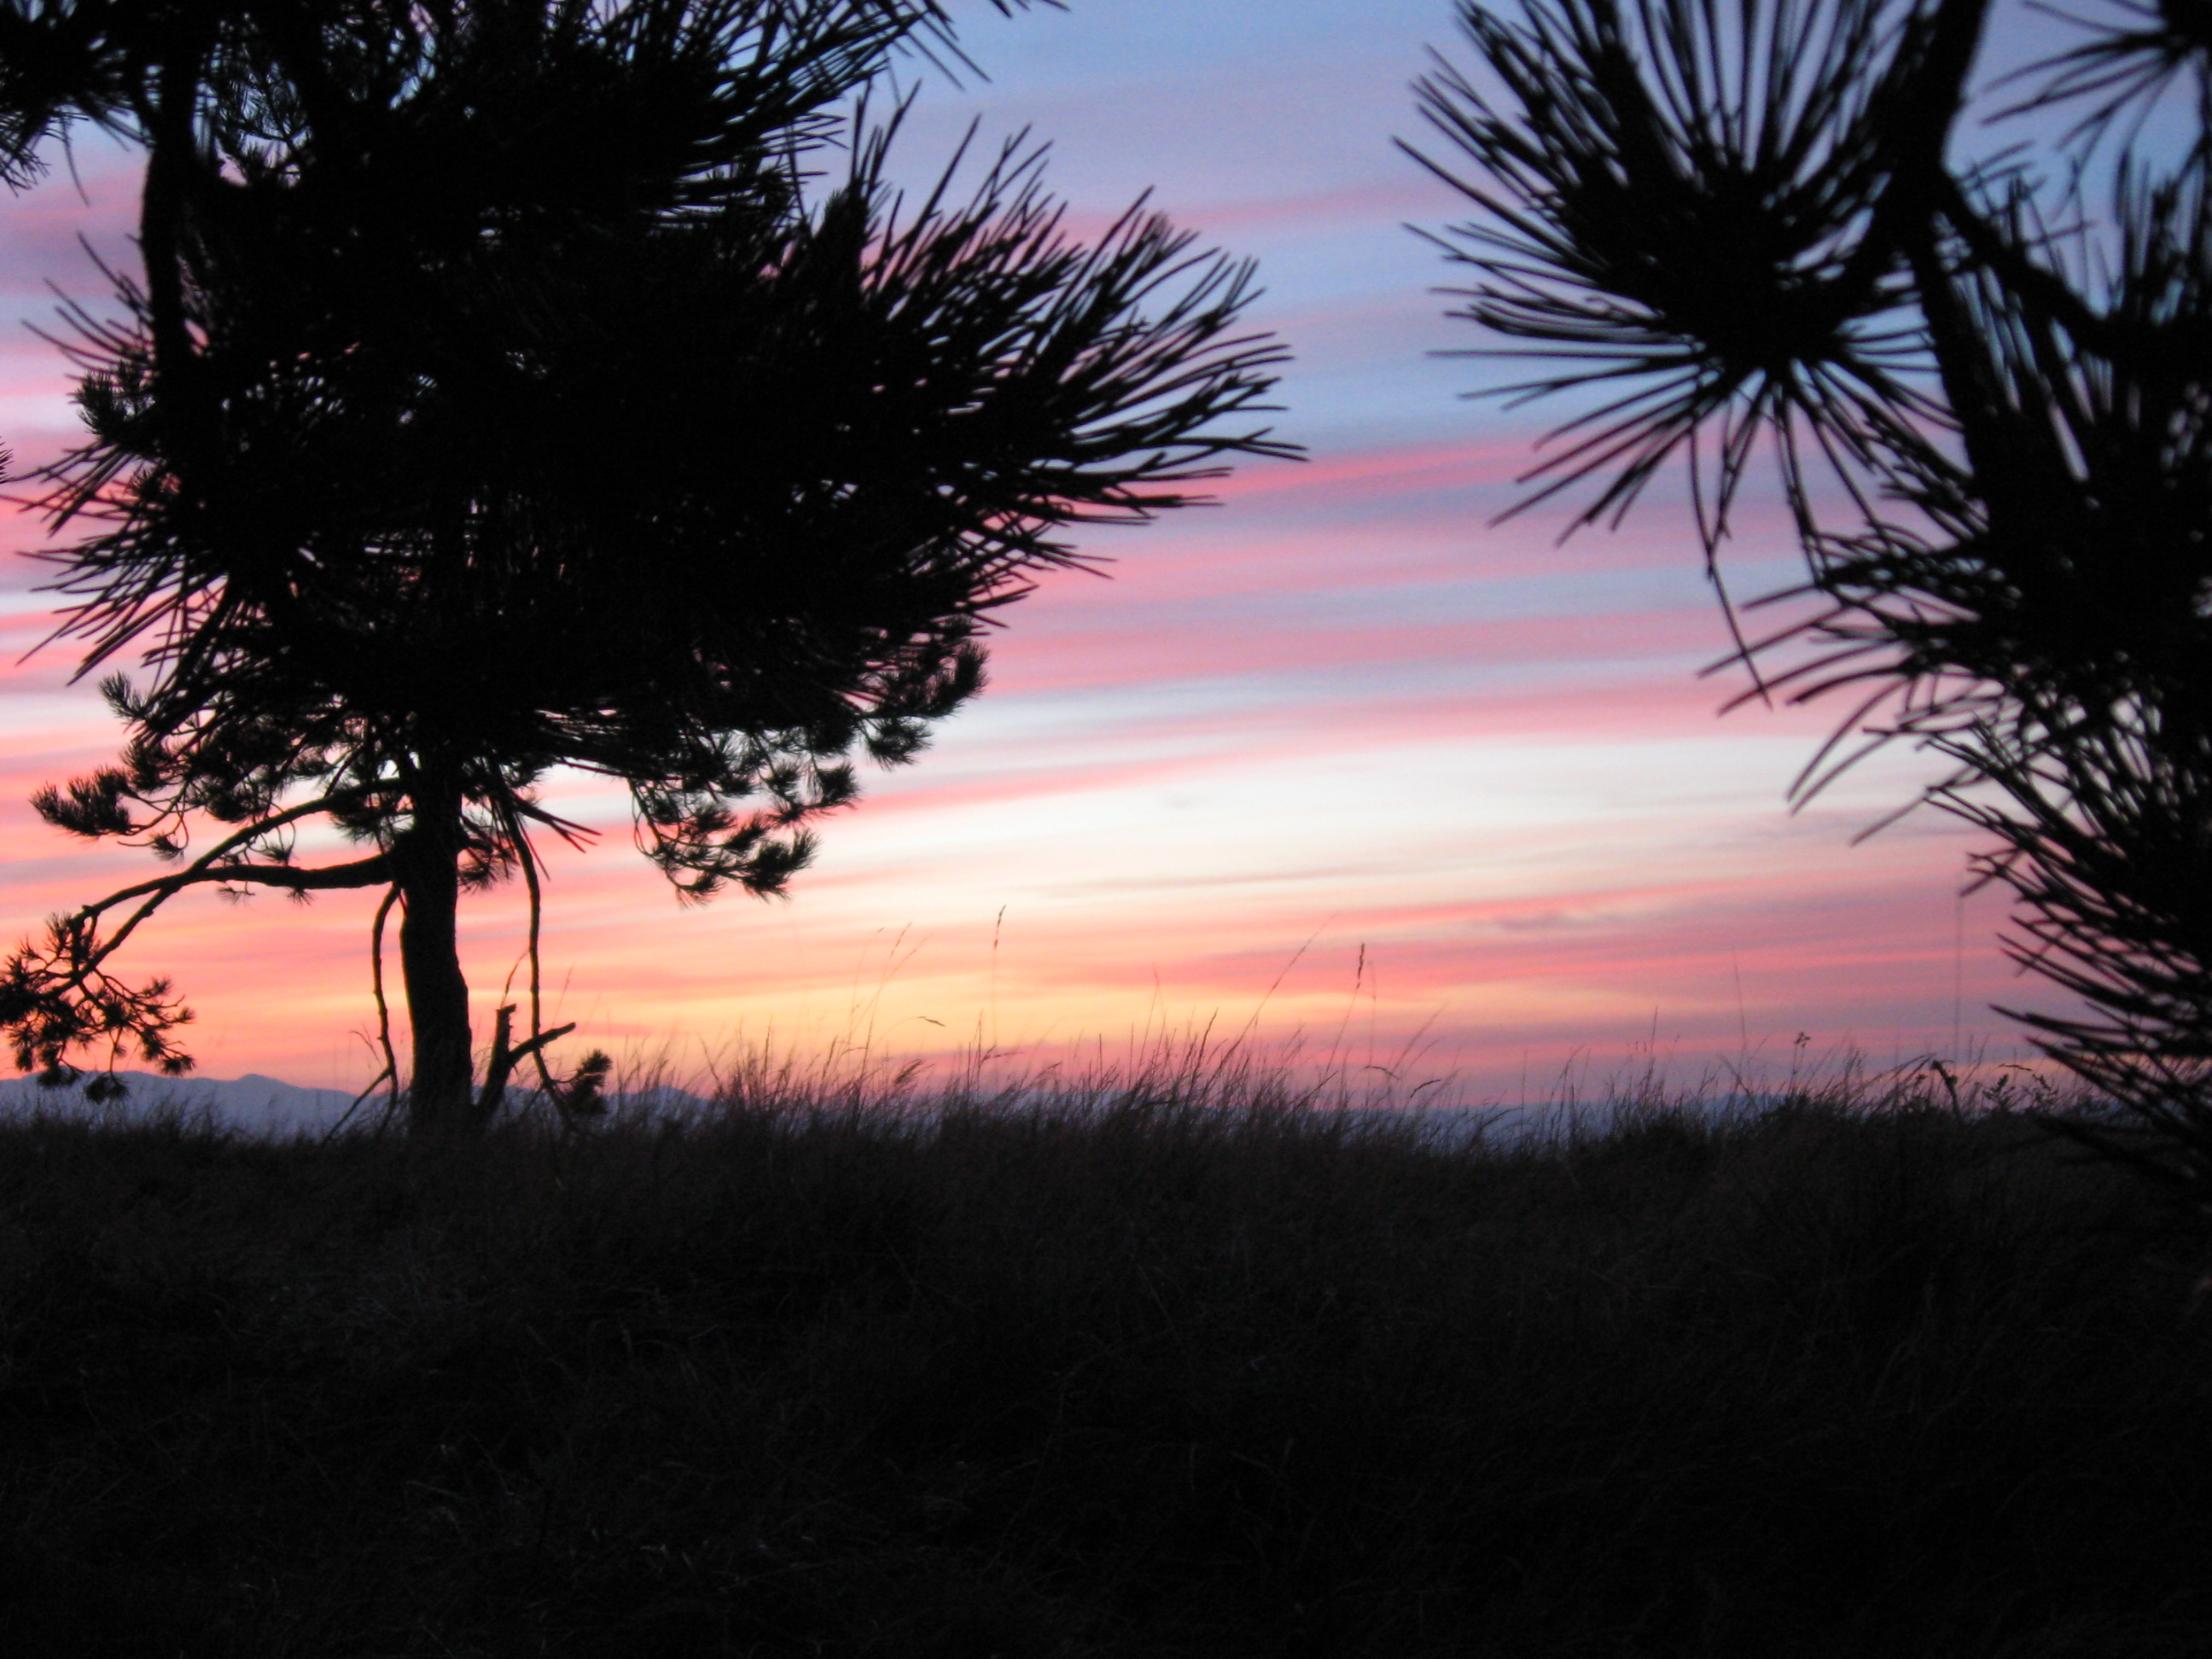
1986 389
506 391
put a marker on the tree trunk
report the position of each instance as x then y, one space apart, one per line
440 1096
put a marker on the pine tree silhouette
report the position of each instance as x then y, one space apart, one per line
506 391
1987 391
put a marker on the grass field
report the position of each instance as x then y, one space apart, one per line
1845 1375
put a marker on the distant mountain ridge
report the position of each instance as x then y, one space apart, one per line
263 1105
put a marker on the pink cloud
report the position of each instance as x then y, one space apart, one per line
1391 473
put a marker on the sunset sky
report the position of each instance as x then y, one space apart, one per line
1340 717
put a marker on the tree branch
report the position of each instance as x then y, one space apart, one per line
2020 273
209 866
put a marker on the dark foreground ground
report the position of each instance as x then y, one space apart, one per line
1162 1382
